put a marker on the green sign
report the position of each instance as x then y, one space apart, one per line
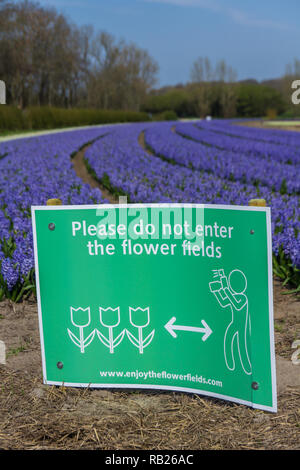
163 296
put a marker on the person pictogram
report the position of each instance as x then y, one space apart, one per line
230 292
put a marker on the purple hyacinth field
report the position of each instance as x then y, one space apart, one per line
149 228
215 162
32 170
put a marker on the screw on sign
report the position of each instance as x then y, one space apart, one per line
53 202
258 203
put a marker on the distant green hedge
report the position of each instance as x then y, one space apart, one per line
11 118
167 115
35 118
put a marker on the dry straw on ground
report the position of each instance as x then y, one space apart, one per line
35 416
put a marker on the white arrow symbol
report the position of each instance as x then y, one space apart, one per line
170 327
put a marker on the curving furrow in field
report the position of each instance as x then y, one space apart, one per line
119 160
253 170
176 169
234 128
273 152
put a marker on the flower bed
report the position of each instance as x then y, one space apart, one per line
32 171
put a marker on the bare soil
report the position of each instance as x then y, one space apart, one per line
81 171
37 416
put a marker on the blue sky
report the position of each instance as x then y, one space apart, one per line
256 37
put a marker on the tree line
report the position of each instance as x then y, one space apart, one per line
213 90
46 60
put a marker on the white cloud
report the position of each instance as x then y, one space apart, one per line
242 18
62 3
211 5
238 16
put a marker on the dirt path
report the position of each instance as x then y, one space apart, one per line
81 171
142 143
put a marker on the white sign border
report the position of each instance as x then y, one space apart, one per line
267 210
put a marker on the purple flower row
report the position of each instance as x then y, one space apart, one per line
270 135
32 171
210 135
119 159
223 163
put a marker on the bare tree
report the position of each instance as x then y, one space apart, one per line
46 60
213 87
120 75
202 71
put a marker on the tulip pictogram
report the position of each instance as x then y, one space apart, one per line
110 318
81 318
140 318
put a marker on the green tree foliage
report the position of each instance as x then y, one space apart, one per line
178 100
214 91
218 99
255 100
